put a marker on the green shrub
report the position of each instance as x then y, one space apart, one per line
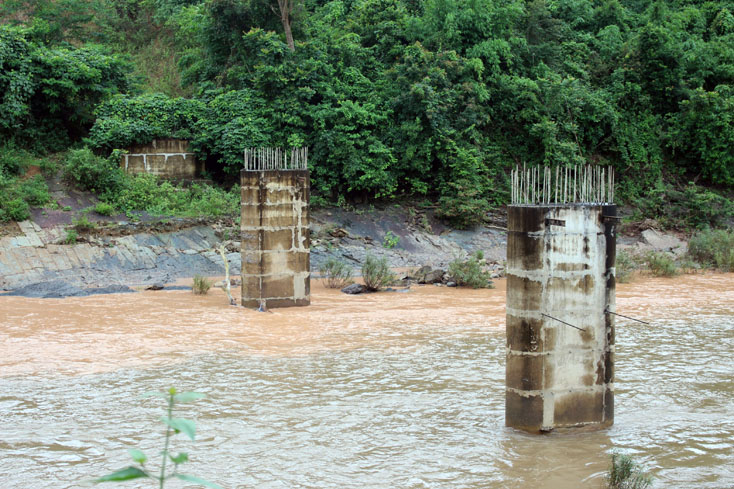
470 272
71 236
14 161
104 209
625 266
713 248
660 264
15 210
34 191
82 224
391 240
91 172
201 285
624 473
335 274
376 273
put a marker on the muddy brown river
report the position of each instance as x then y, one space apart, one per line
389 390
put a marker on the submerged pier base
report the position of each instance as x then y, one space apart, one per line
275 238
560 338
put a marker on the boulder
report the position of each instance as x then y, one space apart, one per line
354 289
432 277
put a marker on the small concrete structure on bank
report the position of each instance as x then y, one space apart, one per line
166 158
275 230
560 289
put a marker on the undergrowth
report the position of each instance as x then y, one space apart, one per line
376 273
471 272
714 248
335 274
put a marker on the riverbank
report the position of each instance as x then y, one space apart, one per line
138 254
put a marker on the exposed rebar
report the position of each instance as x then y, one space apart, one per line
570 185
258 159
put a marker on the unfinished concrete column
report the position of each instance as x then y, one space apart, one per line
275 236
560 337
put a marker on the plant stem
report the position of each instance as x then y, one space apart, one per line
165 447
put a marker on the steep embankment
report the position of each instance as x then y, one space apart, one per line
141 254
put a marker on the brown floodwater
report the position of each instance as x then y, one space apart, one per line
397 389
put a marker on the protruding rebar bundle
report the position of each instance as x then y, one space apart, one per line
258 159
587 184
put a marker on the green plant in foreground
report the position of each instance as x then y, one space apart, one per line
391 240
174 426
335 274
624 473
471 271
201 285
376 273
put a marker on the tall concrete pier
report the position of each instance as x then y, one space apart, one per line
560 287
275 229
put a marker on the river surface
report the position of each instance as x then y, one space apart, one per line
389 390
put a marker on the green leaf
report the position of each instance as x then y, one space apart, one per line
180 458
154 394
182 425
197 480
188 396
123 475
137 455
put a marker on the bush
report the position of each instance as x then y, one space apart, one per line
625 265
624 473
471 271
201 285
71 236
82 224
660 264
713 248
335 274
104 209
15 210
376 273
91 172
34 191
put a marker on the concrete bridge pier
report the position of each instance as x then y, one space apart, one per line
275 238
560 339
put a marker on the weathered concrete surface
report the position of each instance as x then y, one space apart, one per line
275 246
166 158
138 259
560 263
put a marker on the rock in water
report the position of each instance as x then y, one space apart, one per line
354 289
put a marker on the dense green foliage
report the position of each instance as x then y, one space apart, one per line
145 192
18 192
437 98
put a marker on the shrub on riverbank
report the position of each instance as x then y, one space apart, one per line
335 274
471 272
660 264
201 285
19 193
714 248
376 273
